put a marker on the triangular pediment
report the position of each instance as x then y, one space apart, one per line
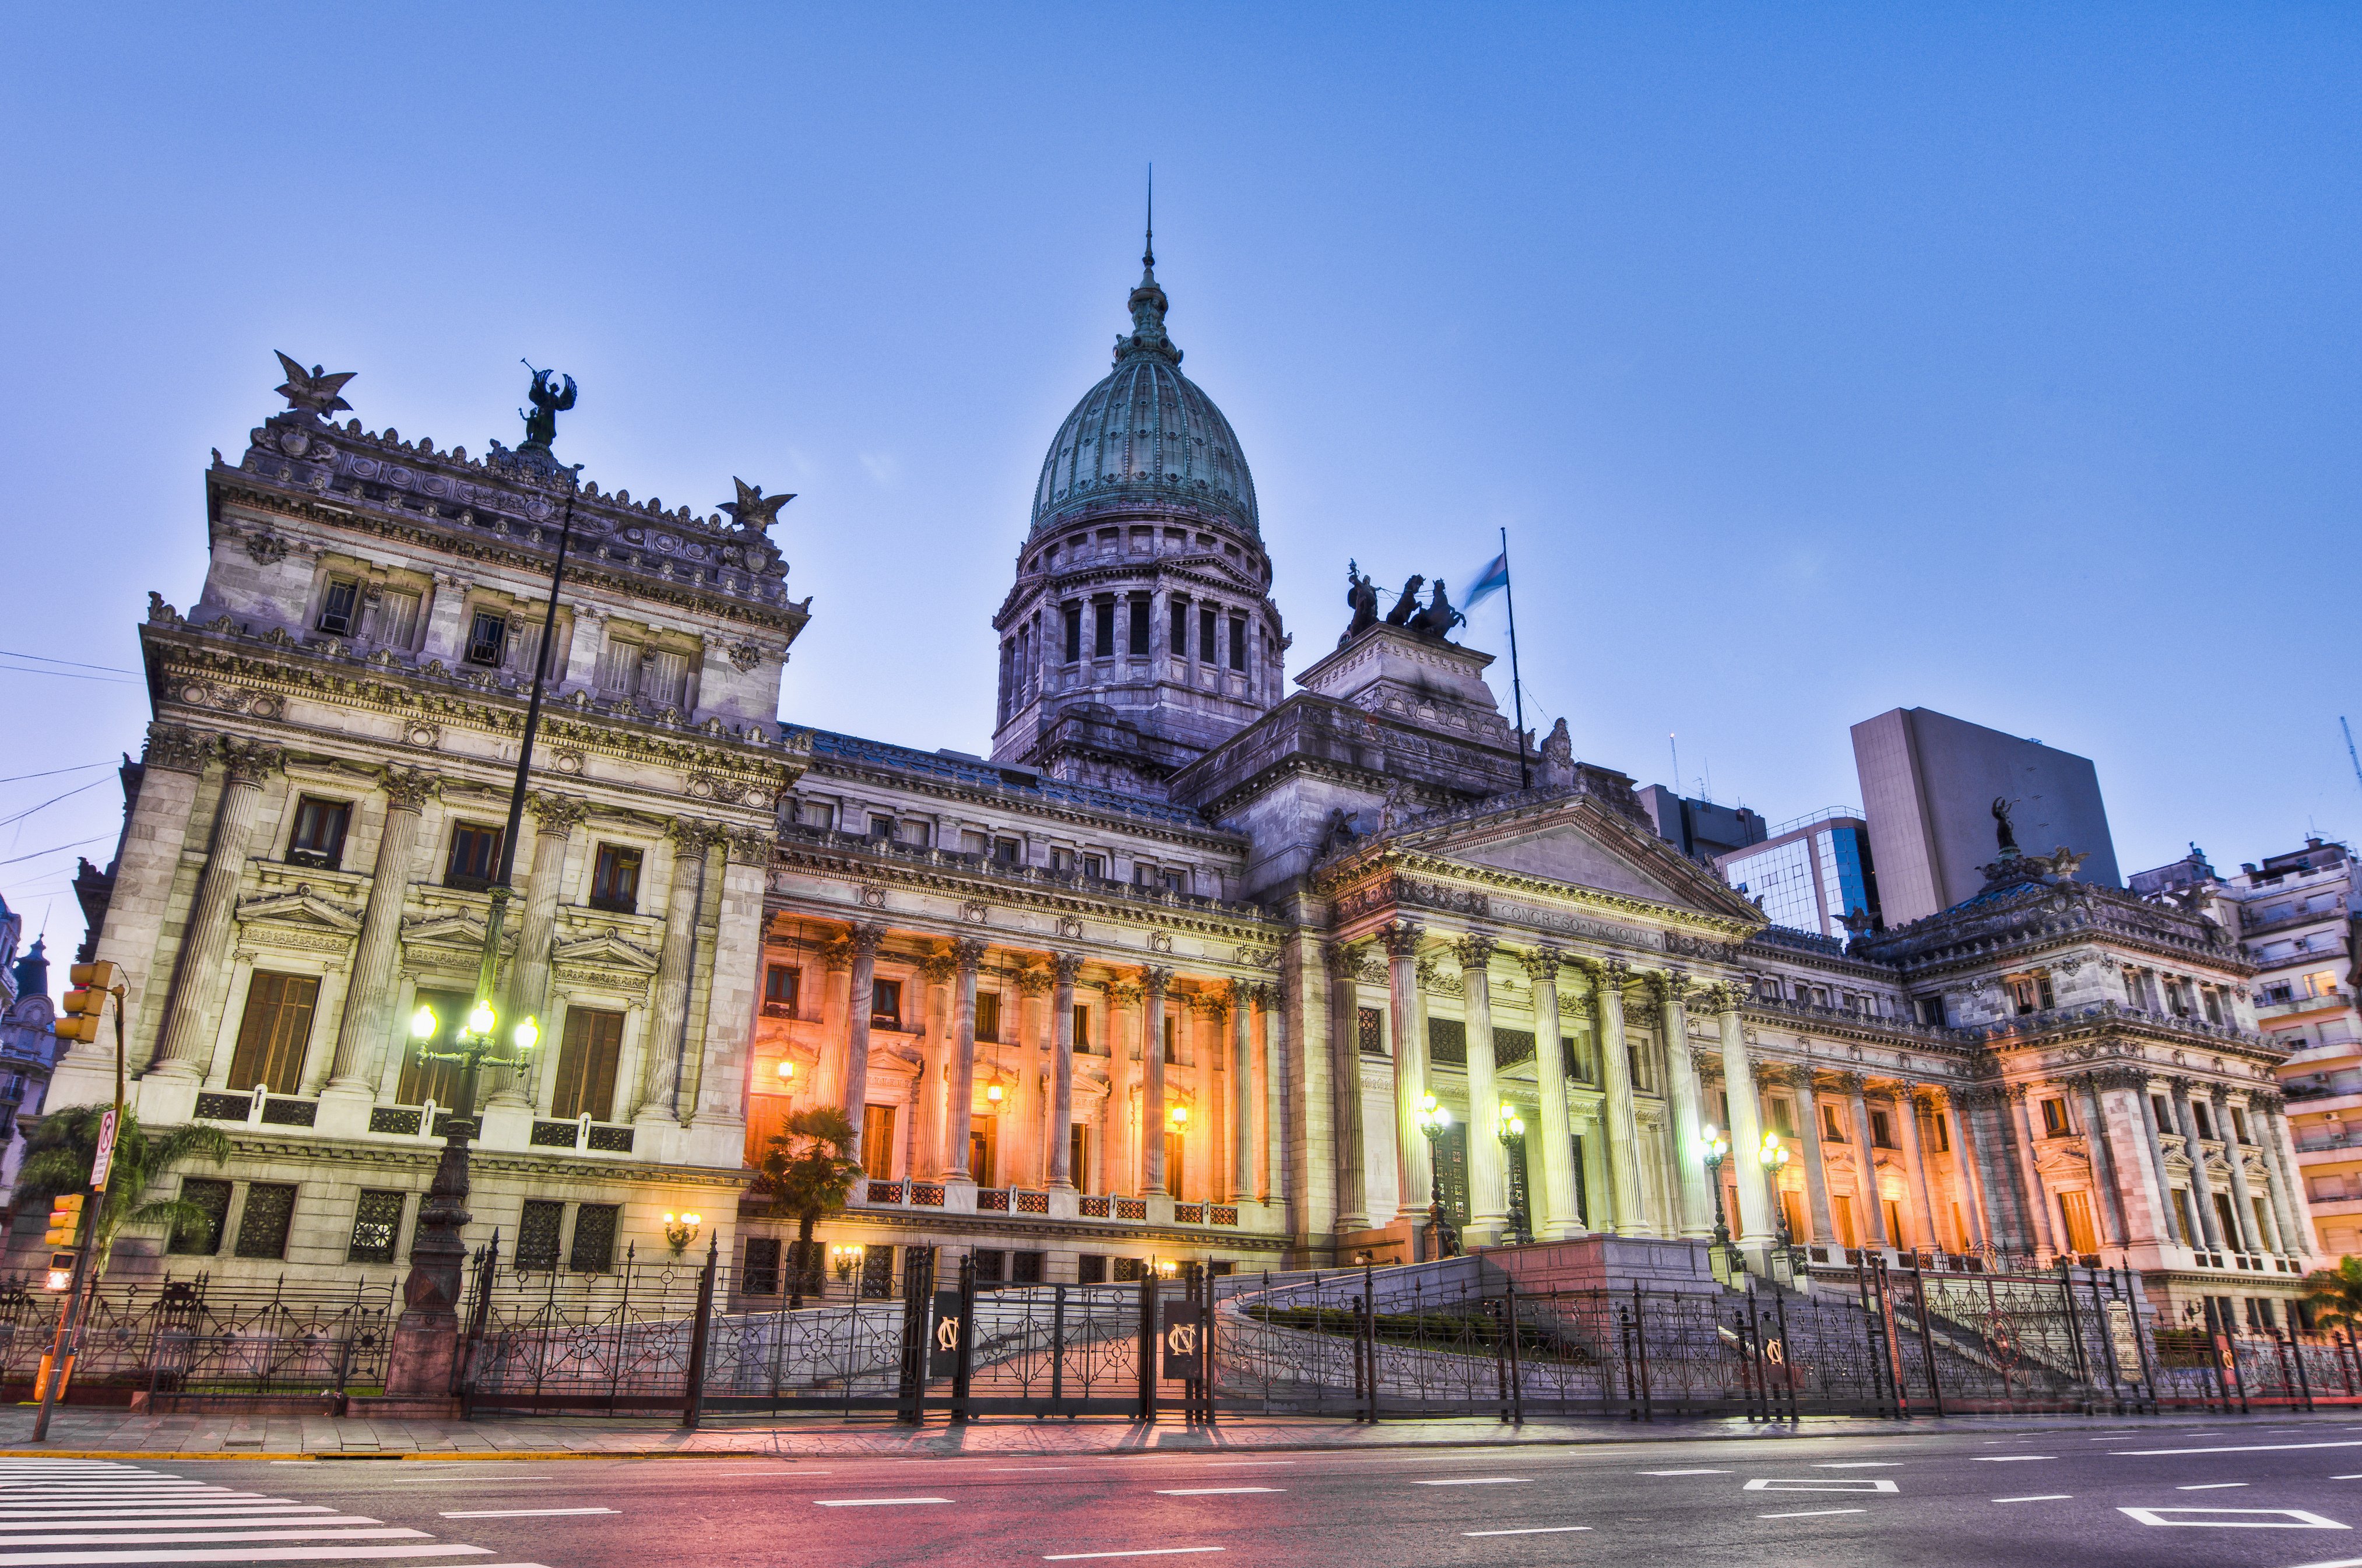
445 930
606 951
299 906
1574 840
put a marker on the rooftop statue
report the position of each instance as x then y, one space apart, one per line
2004 833
1407 605
548 402
1437 619
313 392
753 510
1362 598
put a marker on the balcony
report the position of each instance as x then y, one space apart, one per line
2336 1001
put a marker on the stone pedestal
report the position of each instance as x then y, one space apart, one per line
344 1112
1160 1207
1065 1203
504 1125
959 1195
425 1349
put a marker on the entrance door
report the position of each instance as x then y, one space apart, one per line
1077 1146
2075 1208
878 1141
1895 1223
1521 1196
1452 1171
980 1140
1173 1144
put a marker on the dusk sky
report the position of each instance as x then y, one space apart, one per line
1817 360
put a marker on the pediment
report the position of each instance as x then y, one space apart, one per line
444 931
605 951
1574 840
2063 1160
299 906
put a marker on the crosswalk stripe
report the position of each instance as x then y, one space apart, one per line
8 1532
390 1533
87 1511
237 1554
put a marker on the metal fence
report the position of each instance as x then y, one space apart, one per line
191 1341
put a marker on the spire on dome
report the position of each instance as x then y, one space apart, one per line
1148 303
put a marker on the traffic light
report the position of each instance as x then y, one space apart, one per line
87 1002
62 1267
65 1220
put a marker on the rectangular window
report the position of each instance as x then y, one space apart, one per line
2075 1209
2213 1007
475 858
1930 1010
2054 1122
1078 1145
488 638
991 1265
878 1141
337 606
537 1242
1831 1128
1784 1118
1180 649
594 1239
1370 1025
886 1003
586 1064
1177 880
396 625
615 879
1882 1130
1238 642
816 813
1025 1268
987 1017
1130 1270
272 1035
1074 634
1007 851
262 1225
318 838
376 1227
783 989
619 667
422 1079
1171 1054
1943 1134
1090 1268
2239 1125
1209 625
1140 628
1095 865
665 684
1103 641
199 1235
1082 1033
761 1274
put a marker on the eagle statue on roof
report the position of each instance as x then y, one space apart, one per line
753 511
312 391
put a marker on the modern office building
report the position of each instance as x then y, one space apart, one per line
1811 874
1702 828
1928 786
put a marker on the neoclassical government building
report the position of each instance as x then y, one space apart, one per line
1169 975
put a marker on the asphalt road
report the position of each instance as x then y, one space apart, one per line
2109 1493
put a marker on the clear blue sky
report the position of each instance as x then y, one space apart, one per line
1819 361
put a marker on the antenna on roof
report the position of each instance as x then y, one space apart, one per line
1148 255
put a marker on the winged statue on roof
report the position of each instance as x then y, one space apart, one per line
312 391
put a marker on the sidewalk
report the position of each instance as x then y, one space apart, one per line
112 1433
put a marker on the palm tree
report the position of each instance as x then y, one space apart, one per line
2335 1295
58 1156
806 1172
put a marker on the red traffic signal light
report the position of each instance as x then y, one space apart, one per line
86 1003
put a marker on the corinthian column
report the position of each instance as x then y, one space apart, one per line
1242 1095
669 1005
369 998
1065 966
1696 1213
1755 1229
2243 1202
2038 1205
1623 1116
1488 1198
186 1048
1560 1219
959 1095
1345 1082
856 1103
1118 1165
1414 1169
940 971
1152 1175
554 820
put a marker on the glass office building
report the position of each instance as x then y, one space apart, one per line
1809 874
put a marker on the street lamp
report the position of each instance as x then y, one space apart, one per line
1433 1118
1711 1147
420 1362
1513 1137
1774 1154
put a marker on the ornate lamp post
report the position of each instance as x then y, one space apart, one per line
425 1336
1433 1118
1711 1147
1513 1137
1774 1156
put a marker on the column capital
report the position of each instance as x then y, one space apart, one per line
968 953
176 746
1927 1096
251 762
1475 949
1154 981
2270 1101
939 968
408 788
1121 993
2016 1093
691 834
1340 962
1542 963
1065 966
749 846
866 937
1401 938
557 815
1852 1083
1726 997
1616 971
1213 1002
1669 984
836 952
1032 980
1243 993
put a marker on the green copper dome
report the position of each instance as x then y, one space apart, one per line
1146 437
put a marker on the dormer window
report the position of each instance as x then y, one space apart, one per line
2031 993
1930 1010
488 638
339 608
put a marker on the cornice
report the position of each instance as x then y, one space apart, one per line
993 804
1391 863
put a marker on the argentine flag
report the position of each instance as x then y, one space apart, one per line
1488 582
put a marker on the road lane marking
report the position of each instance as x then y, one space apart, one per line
872 1502
2237 1448
200 1537
1820 1484
1811 1513
2007 1458
1246 1464
1213 1491
1685 1472
2346 1478
1856 1464
178 1521
239 1554
1027 1469
2038 1498
2208 1485
1143 1551
2275 1518
1535 1529
524 1513
1480 1480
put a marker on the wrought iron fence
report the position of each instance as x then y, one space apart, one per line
193 1340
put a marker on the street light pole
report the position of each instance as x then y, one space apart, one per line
425 1349
1433 1118
1513 1135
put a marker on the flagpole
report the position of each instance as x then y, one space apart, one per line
1517 685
